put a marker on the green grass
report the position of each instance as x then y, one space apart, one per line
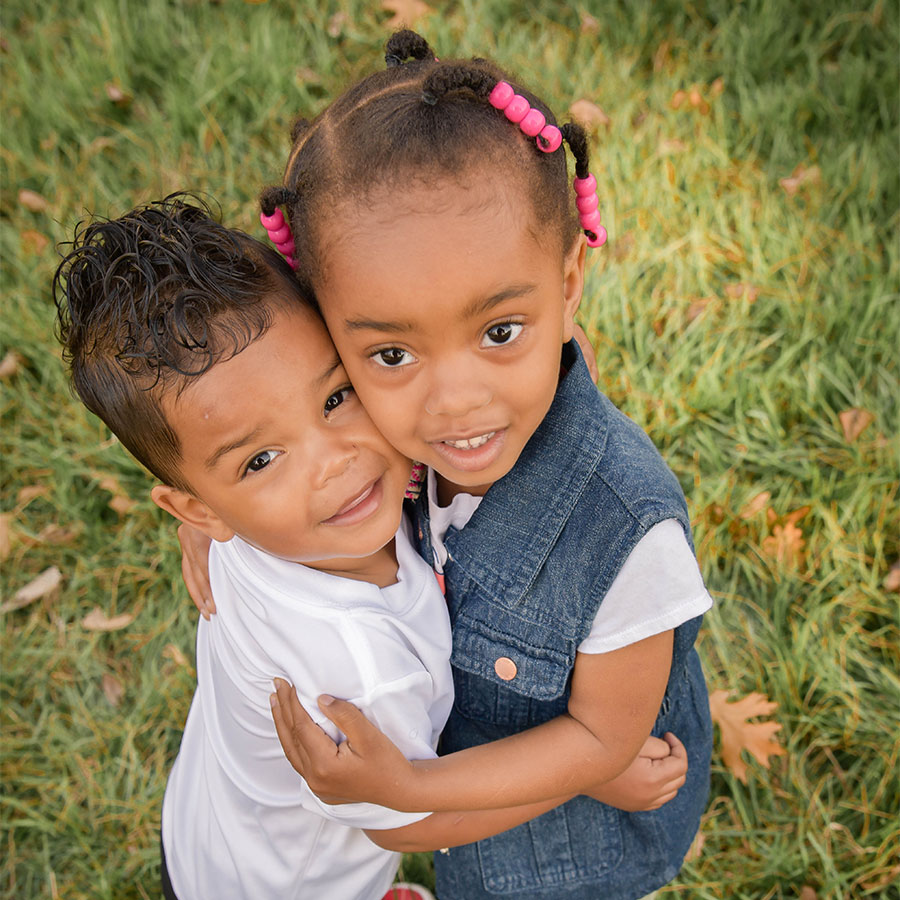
740 387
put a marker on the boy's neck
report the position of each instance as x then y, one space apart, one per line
379 569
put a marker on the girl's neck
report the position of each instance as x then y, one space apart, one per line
447 490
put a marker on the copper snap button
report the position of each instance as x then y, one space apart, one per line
505 668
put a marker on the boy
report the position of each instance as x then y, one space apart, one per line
195 345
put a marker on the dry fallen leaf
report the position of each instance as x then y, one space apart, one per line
807 893
5 534
785 544
405 12
120 501
175 653
739 734
59 534
854 422
756 505
45 584
892 579
121 98
742 289
32 201
589 25
31 492
336 24
678 99
800 177
97 620
10 364
113 689
33 242
589 114
696 847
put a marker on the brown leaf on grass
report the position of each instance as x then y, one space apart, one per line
120 501
589 114
336 24
97 620
589 25
669 146
785 544
696 847
33 242
661 56
892 579
697 308
10 364
120 98
31 492
799 177
405 12
808 893
678 99
175 653
5 535
44 585
742 289
112 689
33 201
59 534
740 734
854 422
756 505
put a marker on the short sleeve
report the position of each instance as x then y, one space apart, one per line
657 589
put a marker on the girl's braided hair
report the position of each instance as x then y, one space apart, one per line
415 122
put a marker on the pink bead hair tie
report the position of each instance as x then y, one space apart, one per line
280 234
416 480
532 121
587 202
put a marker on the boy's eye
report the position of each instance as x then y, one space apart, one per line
336 399
392 357
502 333
261 460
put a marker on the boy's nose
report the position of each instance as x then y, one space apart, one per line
333 455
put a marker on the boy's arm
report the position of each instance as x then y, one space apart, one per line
195 568
614 701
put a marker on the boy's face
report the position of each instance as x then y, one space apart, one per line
278 449
449 315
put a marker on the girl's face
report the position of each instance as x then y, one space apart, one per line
450 314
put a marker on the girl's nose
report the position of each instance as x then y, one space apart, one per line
457 394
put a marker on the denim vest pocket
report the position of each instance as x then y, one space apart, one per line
575 843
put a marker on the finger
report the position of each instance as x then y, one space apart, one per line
349 720
677 748
285 734
655 748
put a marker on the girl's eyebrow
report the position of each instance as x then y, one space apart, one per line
470 311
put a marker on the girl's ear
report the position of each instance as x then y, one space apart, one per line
573 284
192 511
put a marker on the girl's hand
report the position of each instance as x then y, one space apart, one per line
195 568
366 767
653 779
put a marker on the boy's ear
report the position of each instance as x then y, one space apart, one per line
191 510
573 284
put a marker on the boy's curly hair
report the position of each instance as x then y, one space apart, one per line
148 301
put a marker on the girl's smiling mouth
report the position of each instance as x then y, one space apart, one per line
472 443
471 454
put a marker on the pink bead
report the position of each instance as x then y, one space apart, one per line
585 186
287 248
294 264
533 122
517 109
591 220
276 220
501 95
281 235
550 139
587 204
600 239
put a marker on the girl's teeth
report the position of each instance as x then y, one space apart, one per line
471 443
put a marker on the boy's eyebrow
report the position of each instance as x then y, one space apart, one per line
236 444
470 311
328 372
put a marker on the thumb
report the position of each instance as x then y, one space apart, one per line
348 719
678 749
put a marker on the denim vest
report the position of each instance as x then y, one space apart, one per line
524 581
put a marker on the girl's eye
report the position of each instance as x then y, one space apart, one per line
502 333
261 460
393 357
336 399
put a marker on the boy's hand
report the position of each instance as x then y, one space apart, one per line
653 779
366 767
195 568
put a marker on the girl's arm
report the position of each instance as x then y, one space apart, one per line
614 702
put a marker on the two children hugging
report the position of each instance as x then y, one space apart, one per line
443 250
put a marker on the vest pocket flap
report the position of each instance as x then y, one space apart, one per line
529 669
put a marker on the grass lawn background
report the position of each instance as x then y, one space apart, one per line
745 307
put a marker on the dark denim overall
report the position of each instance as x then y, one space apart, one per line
524 580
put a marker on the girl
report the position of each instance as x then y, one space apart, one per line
432 217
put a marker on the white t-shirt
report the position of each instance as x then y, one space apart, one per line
238 821
658 588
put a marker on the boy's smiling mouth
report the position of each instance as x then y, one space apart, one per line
360 506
